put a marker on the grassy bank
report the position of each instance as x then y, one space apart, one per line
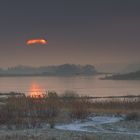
23 111
23 117
52 134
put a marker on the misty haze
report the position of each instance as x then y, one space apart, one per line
70 70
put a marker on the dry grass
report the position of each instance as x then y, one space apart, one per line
133 116
30 112
58 135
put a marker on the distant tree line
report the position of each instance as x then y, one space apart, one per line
127 76
60 70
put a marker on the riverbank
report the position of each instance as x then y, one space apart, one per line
46 133
70 117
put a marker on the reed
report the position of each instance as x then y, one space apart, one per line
22 111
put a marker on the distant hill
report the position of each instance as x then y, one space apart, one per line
60 70
128 76
131 68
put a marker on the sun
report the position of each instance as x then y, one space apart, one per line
37 41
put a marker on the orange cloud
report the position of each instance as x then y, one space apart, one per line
37 41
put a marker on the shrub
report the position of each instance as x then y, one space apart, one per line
52 103
79 109
132 116
87 138
69 94
29 112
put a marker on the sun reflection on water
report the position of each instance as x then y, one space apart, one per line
36 90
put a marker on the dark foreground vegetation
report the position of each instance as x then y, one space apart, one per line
20 111
23 117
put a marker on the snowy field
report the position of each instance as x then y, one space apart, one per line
97 124
97 127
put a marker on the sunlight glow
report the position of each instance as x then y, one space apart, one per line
37 41
35 91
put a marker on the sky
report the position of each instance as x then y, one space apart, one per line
78 31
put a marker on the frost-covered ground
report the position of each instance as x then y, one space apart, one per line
101 124
96 128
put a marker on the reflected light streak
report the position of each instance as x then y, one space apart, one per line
35 91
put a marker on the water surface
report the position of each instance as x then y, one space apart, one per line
84 85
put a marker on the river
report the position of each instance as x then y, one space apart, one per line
83 85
